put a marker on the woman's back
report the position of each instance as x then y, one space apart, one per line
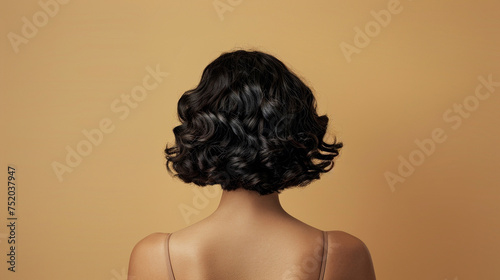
247 249
254 241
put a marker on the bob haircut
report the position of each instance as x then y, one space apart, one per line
251 123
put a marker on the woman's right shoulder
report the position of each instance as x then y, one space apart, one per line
348 257
342 238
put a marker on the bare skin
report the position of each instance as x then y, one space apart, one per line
250 236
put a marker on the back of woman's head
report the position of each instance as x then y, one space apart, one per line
250 123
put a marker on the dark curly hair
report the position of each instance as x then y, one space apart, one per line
251 123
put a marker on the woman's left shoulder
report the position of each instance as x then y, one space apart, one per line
150 244
152 239
147 260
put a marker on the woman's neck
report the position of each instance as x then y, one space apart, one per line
244 203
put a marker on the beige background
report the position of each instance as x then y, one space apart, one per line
442 222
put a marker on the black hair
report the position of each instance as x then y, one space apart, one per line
250 123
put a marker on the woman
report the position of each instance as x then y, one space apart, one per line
250 126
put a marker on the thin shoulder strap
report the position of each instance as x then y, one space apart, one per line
325 254
169 264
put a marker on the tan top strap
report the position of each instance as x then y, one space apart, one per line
325 253
169 264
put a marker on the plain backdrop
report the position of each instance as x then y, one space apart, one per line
412 88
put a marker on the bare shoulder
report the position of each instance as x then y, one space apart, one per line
348 258
345 240
148 260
